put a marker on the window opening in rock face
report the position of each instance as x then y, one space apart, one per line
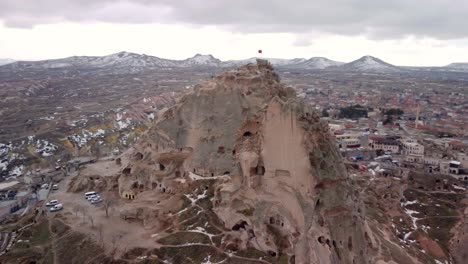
221 150
138 156
127 171
260 170
247 134
321 239
161 167
350 243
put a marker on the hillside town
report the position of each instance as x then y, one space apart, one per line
397 142
392 126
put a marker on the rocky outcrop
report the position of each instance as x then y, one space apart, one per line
285 190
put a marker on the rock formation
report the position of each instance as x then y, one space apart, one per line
280 184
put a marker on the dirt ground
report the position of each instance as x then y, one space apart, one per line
105 167
116 234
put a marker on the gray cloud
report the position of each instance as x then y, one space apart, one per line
439 19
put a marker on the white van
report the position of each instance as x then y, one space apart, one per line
88 194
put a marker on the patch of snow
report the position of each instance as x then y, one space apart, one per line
4 149
410 213
181 211
122 124
181 180
407 235
194 200
201 230
45 148
425 228
408 203
47 118
4 164
458 188
207 260
124 140
196 177
16 171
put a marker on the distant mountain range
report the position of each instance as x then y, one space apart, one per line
132 62
6 61
459 65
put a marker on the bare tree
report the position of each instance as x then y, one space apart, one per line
96 149
77 209
84 214
101 235
91 220
107 203
114 240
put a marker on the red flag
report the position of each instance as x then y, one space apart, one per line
260 51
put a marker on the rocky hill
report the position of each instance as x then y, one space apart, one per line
369 64
239 170
458 66
316 63
127 62
251 171
6 61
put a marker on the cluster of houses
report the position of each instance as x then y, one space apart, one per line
402 150
13 198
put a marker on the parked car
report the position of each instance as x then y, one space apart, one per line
88 194
55 187
96 200
56 208
96 196
45 186
52 203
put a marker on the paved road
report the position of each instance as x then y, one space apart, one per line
42 196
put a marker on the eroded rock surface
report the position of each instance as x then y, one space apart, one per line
285 190
241 171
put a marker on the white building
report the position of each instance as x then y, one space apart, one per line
348 141
412 148
450 167
463 158
387 145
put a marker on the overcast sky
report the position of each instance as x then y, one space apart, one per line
402 32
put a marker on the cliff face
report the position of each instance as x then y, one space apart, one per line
284 188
